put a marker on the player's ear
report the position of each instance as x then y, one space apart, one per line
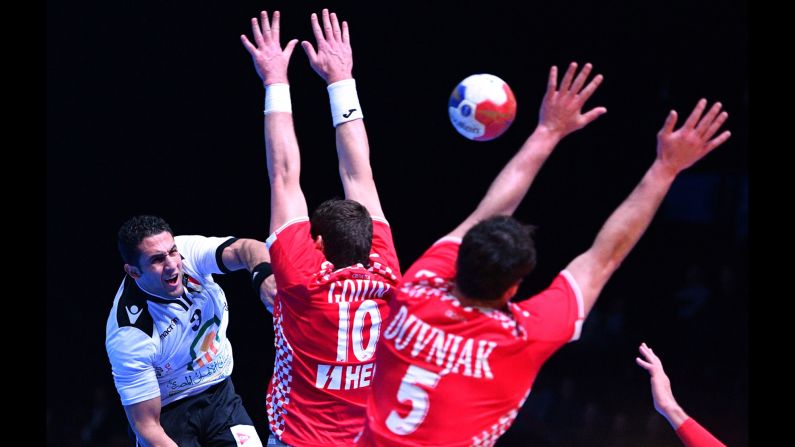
319 242
510 292
132 270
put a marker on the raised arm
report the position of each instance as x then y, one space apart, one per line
688 430
333 61
676 150
559 116
144 417
281 144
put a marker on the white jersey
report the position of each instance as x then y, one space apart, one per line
175 347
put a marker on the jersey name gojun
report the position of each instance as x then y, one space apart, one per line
327 322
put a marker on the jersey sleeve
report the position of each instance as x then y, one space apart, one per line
294 256
693 434
130 352
556 314
439 261
204 252
383 254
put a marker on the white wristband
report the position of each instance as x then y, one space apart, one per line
277 98
344 102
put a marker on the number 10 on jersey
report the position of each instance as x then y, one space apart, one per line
351 338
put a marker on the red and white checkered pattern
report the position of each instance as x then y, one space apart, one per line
489 437
278 397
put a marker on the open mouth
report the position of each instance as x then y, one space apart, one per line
173 280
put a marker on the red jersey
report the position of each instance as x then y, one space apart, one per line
455 375
327 322
693 434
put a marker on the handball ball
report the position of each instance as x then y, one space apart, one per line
482 107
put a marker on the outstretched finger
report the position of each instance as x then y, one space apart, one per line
691 121
256 32
552 82
643 364
705 123
275 26
346 35
565 84
591 87
717 141
249 47
329 33
579 81
670 122
316 29
593 114
335 27
713 128
288 49
310 52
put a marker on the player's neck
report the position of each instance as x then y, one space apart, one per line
474 302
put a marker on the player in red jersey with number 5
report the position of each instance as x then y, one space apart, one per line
457 359
334 273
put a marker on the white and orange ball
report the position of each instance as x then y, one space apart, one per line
482 107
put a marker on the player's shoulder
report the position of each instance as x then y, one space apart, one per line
131 309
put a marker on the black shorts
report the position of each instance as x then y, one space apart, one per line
207 419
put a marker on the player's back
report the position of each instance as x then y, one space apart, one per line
449 374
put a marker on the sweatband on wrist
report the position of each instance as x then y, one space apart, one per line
277 98
344 102
259 273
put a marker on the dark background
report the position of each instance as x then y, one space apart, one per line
154 107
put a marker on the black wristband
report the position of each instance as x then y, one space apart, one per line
259 273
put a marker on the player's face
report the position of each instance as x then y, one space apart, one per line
160 266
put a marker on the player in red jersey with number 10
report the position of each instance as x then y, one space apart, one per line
334 273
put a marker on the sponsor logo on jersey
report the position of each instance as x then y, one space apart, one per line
206 344
133 312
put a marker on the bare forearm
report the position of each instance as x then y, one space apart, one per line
284 169
153 435
353 150
281 148
245 253
674 414
630 220
511 185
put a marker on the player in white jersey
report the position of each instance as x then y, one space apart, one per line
166 335
457 360
336 272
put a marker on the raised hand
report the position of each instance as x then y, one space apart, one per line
561 108
678 150
270 60
333 60
660 384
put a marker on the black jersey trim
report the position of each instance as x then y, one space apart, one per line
179 301
219 254
132 297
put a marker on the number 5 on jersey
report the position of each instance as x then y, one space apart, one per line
409 391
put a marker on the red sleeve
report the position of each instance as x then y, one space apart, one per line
438 261
694 435
556 314
294 256
383 249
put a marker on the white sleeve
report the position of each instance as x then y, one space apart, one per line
202 252
131 352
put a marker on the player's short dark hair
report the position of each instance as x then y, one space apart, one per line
136 230
347 232
494 255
